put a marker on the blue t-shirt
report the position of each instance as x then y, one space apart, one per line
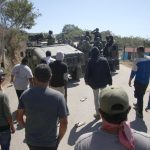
141 70
43 107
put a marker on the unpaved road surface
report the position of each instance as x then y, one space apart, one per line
81 106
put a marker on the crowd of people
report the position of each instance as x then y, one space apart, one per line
107 47
42 106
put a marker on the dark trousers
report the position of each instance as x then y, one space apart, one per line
19 92
139 94
41 148
5 138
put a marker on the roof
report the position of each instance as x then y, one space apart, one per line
133 49
65 48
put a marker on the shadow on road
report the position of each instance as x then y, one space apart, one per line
74 134
139 124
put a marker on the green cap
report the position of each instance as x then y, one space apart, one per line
111 97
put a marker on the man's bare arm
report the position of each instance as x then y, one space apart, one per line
31 82
20 119
10 122
62 128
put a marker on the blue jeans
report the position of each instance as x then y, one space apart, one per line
5 138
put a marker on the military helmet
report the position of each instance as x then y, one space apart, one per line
87 33
50 32
97 29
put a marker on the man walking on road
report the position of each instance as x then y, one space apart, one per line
141 72
21 76
114 133
43 108
97 76
59 74
6 123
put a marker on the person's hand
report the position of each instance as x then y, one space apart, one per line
129 83
12 128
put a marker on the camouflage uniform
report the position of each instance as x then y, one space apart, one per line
51 39
96 34
111 53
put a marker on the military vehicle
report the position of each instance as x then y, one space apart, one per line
72 57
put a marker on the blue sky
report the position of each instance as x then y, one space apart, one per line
122 17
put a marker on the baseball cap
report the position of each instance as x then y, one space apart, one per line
111 97
2 72
59 56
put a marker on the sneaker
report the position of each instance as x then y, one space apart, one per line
97 117
139 115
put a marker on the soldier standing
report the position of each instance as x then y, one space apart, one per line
111 53
96 34
98 44
51 39
86 47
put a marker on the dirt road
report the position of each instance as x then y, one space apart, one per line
81 106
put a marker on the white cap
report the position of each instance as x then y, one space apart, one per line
59 56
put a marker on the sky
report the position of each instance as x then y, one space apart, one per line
122 17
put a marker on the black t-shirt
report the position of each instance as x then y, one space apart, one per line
58 70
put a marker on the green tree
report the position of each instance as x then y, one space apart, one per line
70 32
19 14
15 16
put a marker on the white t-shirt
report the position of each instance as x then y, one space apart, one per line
101 140
49 59
22 74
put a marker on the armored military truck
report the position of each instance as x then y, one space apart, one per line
72 57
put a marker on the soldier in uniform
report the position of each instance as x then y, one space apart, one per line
98 43
87 36
79 46
96 34
51 39
111 53
85 48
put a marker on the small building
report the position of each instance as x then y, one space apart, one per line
130 53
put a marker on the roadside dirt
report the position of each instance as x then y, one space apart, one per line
127 63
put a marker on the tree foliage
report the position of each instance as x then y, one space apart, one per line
19 14
74 33
15 16
70 32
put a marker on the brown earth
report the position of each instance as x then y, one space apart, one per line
127 63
